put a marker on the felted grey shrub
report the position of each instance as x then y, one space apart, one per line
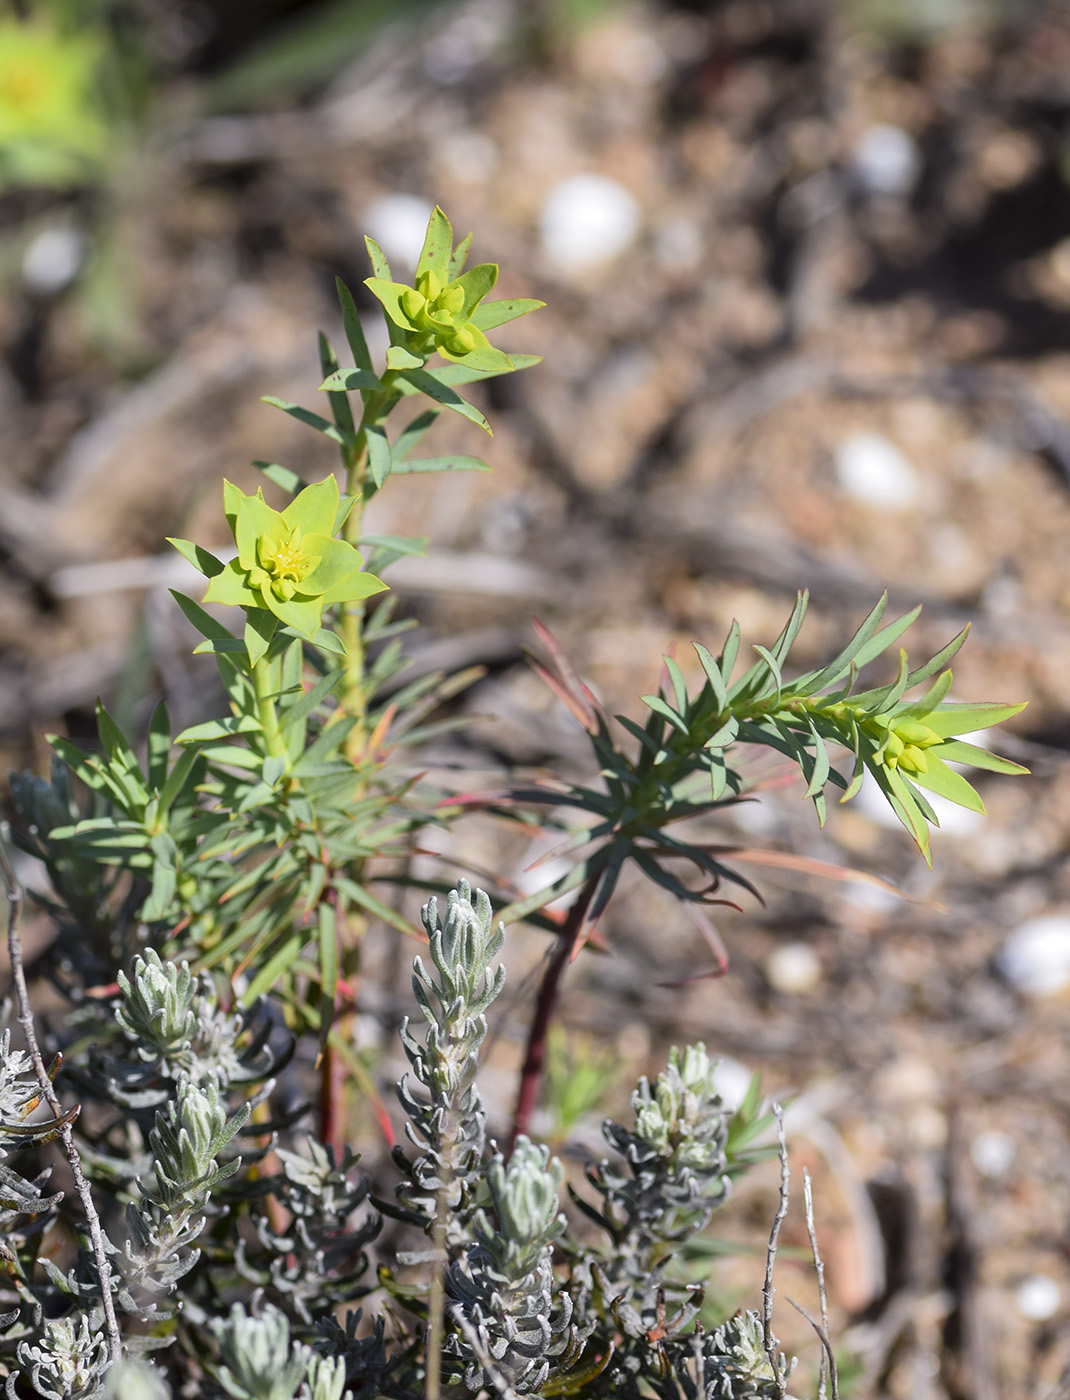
505 1288
447 1122
68 1363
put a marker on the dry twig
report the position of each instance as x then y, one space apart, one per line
25 1019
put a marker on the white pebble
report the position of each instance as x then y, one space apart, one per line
398 223
731 1080
52 260
587 221
1035 956
1038 1297
885 160
793 967
874 470
993 1153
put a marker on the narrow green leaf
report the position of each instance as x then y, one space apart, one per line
159 746
729 652
260 628
713 675
362 379
679 685
353 329
380 266
819 777
956 751
931 699
905 807
837 667
941 779
455 374
442 394
786 640
276 967
380 460
219 646
282 476
200 558
774 671
414 432
362 896
313 420
460 257
940 660
883 639
885 697
176 779
724 734
341 410
663 708
204 622
298 709
459 462
638 733
964 719
399 357
437 246
495 313
219 729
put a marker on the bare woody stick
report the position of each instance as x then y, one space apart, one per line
768 1338
25 1019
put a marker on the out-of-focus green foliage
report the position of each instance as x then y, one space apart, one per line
53 129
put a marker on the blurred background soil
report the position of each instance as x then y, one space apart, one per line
807 268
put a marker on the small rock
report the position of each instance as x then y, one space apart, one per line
732 1080
1035 957
993 1153
885 160
874 470
398 223
587 221
1038 1297
52 260
793 968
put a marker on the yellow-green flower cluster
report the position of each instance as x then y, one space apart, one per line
51 128
445 310
289 562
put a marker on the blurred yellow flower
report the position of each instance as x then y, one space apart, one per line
51 128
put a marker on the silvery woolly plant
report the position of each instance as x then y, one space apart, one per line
528 1302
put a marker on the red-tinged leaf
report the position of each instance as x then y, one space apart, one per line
806 865
564 680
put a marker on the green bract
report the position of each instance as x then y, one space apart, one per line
911 746
444 310
289 562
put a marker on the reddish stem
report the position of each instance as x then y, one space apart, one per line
535 1055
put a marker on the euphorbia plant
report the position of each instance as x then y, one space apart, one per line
246 841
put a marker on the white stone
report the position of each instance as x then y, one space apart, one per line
731 1081
1035 956
874 470
52 259
1038 1297
587 221
885 160
793 967
398 223
993 1153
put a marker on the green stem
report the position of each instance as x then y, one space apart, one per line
266 689
353 697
